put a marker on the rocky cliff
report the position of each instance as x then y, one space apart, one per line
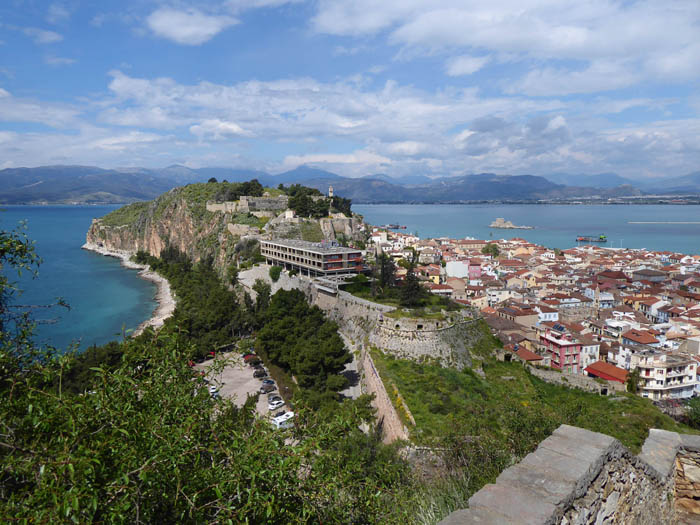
185 219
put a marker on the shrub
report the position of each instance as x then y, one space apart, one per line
275 272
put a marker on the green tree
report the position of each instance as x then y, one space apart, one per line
263 298
412 292
693 412
275 272
633 381
232 274
491 249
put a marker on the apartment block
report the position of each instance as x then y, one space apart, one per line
313 259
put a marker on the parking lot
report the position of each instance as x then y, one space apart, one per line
235 381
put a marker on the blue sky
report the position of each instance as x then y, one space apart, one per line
356 87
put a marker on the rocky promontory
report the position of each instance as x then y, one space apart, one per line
192 220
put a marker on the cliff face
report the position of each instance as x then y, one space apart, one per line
171 219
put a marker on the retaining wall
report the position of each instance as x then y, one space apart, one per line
583 477
389 420
577 381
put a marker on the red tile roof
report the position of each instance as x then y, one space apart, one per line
607 371
526 355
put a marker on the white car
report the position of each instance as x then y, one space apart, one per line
284 420
274 405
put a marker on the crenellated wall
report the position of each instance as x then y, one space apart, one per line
581 477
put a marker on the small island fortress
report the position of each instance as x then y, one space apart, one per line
501 223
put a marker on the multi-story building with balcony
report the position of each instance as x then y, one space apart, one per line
666 376
310 258
564 349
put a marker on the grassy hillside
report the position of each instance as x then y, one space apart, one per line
512 407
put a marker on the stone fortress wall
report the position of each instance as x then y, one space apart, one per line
250 205
581 477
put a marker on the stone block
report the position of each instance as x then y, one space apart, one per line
546 482
472 515
690 442
659 451
594 439
515 503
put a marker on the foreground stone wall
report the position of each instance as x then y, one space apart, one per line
583 477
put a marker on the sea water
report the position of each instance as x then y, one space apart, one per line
106 300
555 226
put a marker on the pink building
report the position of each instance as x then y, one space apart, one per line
474 271
563 348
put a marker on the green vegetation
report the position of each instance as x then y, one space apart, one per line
410 301
207 314
515 414
249 219
491 249
126 215
299 339
275 272
311 231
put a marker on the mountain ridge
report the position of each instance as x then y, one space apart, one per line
75 184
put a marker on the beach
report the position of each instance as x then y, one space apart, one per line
164 296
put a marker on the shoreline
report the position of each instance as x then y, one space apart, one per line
164 296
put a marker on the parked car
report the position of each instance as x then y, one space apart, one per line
267 388
268 382
274 405
284 420
213 390
259 374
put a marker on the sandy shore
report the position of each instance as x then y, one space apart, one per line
164 296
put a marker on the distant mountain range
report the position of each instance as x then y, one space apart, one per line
87 184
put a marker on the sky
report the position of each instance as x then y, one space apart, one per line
357 87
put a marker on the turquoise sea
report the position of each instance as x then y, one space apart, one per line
104 297
556 226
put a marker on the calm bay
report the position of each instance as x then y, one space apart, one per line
555 226
104 297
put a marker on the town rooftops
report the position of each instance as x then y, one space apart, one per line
325 247
607 371
640 337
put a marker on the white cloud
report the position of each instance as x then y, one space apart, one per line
57 13
217 129
356 157
13 109
655 40
58 61
41 36
125 141
599 76
241 5
465 65
188 27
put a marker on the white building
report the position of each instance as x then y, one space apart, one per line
667 376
